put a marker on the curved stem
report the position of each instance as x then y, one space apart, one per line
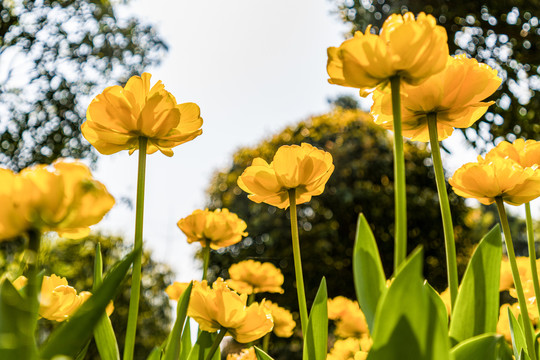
529 337
131 329
217 341
400 195
448 227
532 254
266 342
298 262
206 258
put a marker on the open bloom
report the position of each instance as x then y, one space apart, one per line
219 307
218 228
304 168
496 177
455 95
63 197
349 319
251 277
284 323
525 152
116 118
408 48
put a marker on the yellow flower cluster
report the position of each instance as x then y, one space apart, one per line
63 197
253 277
349 319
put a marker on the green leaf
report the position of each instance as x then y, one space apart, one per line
519 343
16 324
523 355
202 347
408 322
316 339
186 341
439 303
261 355
155 354
82 354
72 336
369 278
173 349
477 305
485 346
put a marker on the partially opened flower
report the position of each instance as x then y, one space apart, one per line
217 229
455 95
284 323
218 307
525 152
496 177
116 118
303 168
176 289
408 48
252 277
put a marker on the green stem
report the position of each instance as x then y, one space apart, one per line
400 195
217 341
529 337
448 227
129 347
532 254
251 299
33 286
298 262
206 258
266 342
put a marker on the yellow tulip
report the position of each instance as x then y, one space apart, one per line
116 118
408 48
252 277
245 354
346 349
219 307
304 168
455 95
176 289
350 320
63 197
218 228
283 320
496 177
525 152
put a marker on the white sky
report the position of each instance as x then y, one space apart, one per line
253 67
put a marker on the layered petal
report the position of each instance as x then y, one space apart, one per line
252 277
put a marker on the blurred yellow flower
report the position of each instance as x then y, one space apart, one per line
63 197
525 152
408 48
176 289
304 168
283 320
218 228
455 95
252 277
524 269
245 354
503 325
116 118
496 177
350 320
445 297
218 306
345 349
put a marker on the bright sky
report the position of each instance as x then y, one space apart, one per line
253 67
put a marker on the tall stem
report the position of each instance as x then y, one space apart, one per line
206 258
448 228
298 262
266 342
131 330
529 337
400 195
532 254
217 341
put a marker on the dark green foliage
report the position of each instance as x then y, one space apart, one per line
55 56
503 34
362 182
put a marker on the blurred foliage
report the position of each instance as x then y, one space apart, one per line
503 34
54 55
361 183
74 260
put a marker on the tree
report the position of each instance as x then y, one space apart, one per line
55 54
362 182
503 34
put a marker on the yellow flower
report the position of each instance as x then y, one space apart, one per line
176 289
496 177
455 95
218 228
63 197
283 320
218 306
350 320
524 269
304 168
245 354
345 349
408 48
252 277
525 153
445 297
116 118
503 325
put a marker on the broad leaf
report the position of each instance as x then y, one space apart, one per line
261 355
316 338
200 350
173 349
369 278
439 303
485 346
477 305
186 340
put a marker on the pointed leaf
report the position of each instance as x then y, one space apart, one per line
477 305
202 347
408 322
261 355
518 337
72 336
315 341
485 346
369 278
439 303
173 349
155 354
186 340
